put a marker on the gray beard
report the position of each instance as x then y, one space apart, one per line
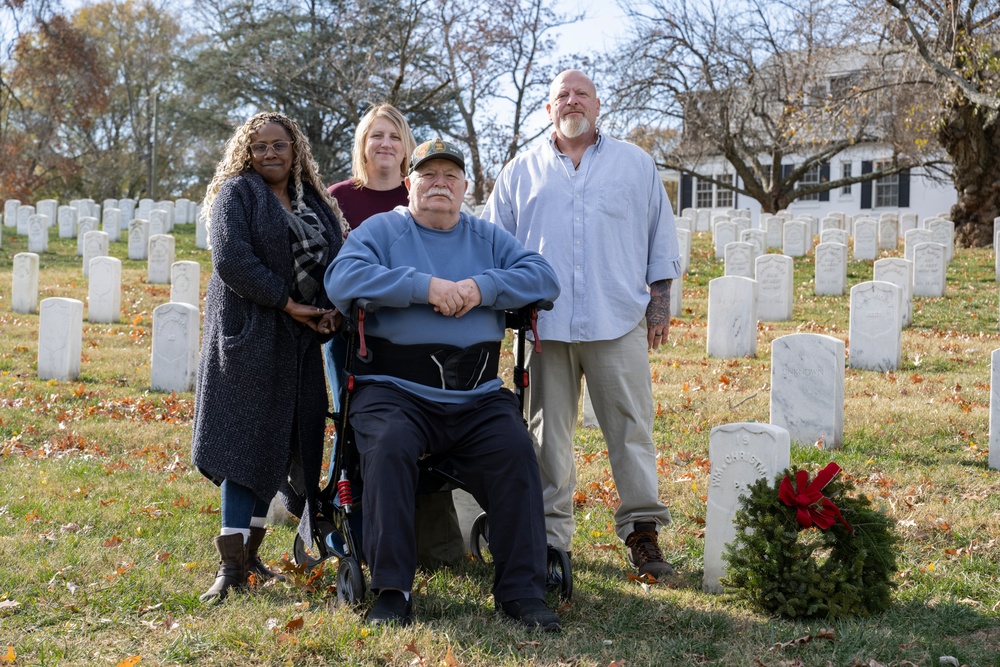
574 126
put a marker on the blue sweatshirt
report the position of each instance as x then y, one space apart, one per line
390 260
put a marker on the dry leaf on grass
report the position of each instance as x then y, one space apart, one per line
822 633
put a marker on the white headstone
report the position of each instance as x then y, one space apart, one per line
95 244
943 232
689 213
835 235
996 252
83 226
10 212
589 418
676 295
182 211
888 233
907 221
161 258
158 221
703 220
112 224
38 234
807 388
127 208
795 241
828 223
899 272
681 222
930 266
740 454
67 222
865 240
88 208
684 243
145 206
168 206
773 227
49 208
876 325
201 235
24 287
739 259
104 293
831 269
138 238
175 347
994 440
913 237
732 317
726 232
24 213
756 238
109 203
60 338
775 292
185 285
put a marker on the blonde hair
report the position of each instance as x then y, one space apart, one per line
236 159
359 162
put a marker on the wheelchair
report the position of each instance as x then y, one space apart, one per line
337 521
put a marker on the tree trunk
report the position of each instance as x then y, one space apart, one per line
971 136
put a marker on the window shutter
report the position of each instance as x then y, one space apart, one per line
824 177
904 189
686 187
866 186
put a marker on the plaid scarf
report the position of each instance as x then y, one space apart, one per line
309 252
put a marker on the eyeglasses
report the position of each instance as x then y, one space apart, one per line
279 148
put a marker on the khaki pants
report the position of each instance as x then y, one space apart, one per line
620 386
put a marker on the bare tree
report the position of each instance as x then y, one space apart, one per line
763 84
499 58
958 42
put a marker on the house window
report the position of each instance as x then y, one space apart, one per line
811 177
845 172
886 188
703 194
724 197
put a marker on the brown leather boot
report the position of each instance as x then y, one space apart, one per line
255 565
232 572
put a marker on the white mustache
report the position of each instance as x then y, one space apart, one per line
440 191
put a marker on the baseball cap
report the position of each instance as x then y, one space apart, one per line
437 149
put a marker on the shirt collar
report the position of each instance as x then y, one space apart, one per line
598 145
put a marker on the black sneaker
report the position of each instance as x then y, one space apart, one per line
391 607
532 613
644 553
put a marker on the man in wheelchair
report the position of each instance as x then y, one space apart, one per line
429 383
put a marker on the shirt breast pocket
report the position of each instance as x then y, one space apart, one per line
616 199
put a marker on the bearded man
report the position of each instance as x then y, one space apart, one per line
596 209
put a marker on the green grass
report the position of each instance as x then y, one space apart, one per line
105 530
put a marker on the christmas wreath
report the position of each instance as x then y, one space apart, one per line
810 549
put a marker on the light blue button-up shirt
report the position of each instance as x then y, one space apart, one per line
606 228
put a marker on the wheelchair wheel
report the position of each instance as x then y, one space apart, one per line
350 581
559 573
311 556
479 538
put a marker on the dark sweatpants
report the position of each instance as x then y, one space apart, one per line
488 445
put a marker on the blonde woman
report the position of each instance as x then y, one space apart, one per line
261 402
380 160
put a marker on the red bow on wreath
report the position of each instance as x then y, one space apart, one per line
813 506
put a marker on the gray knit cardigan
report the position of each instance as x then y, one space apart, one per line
260 408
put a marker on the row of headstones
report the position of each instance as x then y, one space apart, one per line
877 309
175 344
795 238
929 267
104 286
82 216
704 220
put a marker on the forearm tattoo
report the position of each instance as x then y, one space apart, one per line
658 310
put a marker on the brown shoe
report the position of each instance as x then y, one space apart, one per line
232 573
644 552
255 565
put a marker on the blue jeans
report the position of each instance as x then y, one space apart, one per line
240 504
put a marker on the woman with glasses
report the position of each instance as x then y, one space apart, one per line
380 160
260 407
